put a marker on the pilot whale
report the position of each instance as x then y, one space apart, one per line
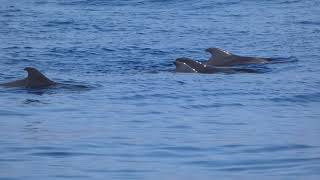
188 65
221 57
35 79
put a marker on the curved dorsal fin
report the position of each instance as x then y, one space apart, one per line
218 53
36 78
218 56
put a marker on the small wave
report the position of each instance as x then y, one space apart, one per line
27 149
108 49
201 5
41 2
98 2
166 154
213 105
11 48
68 52
308 23
62 154
184 149
120 171
12 113
228 3
263 167
55 23
301 98
33 101
75 86
72 2
11 160
289 2
72 176
179 127
255 164
275 148
225 123
10 9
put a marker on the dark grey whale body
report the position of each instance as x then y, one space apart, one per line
188 65
221 57
220 61
35 79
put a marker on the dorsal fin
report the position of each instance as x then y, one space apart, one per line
218 56
218 53
36 78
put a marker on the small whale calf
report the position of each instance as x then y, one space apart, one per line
188 65
35 79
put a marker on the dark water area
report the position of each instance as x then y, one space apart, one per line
128 115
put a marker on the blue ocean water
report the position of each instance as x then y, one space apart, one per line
139 119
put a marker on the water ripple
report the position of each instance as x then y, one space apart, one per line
269 149
309 23
255 164
62 154
301 98
121 112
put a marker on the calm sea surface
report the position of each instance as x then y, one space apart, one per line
139 119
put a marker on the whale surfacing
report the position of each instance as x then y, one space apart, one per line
35 79
221 57
188 65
